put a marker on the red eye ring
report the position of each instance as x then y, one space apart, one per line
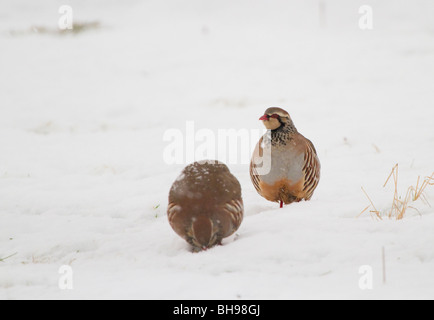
275 116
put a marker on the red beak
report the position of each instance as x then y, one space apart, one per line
264 117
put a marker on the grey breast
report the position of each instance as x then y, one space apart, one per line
281 162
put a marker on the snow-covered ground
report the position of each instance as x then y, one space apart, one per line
83 177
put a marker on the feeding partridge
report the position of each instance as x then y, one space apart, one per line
205 204
284 167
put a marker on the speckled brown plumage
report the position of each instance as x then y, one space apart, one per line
205 204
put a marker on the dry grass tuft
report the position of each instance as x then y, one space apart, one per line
77 28
373 210
3 259
401 205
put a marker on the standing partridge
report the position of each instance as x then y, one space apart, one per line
205 204
284 167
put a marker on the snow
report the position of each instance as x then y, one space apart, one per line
83 180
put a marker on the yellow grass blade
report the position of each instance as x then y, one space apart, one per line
400 205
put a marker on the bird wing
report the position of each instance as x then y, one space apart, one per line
254 176
311 169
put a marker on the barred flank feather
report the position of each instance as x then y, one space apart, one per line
254 177
235 209
311 170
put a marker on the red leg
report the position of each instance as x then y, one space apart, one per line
281 203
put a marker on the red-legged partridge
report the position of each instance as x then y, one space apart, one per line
285 167
205 204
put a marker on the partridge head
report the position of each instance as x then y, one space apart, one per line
275 118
